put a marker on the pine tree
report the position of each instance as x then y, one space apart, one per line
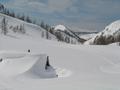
28 19
1 7
51 31
12 14
47 27
4 26
22 17
22 29
47 35
42 24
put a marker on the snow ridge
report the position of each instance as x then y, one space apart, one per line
110 34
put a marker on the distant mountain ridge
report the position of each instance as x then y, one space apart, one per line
110 34
66 34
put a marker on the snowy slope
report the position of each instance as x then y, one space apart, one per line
111 33
87 36
60 27
78 67
32 30
67 35
64 35
112 28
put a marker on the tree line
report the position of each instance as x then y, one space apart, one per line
5 27
104 40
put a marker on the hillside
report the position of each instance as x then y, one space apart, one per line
65 34
30 30
110 34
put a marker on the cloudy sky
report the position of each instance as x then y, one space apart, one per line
77 14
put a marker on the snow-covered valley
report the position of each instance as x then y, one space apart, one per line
72 67
78 66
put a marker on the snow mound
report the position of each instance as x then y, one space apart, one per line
60 27
20 64
16 64
38 70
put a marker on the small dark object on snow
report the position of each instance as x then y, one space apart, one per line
56 75
1 60
28 50
47 63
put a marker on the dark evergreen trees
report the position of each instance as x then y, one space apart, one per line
4 26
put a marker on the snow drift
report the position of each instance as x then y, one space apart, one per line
33 65
92 67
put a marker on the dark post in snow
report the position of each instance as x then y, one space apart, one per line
28 50
1 60
47 63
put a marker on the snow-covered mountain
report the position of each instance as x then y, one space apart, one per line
110 34
60 28
17 28
64 33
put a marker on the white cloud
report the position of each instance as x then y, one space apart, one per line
50 6
59 5
87 14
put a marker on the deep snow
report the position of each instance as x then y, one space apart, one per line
33 65
79 67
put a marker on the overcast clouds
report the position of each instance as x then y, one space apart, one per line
84 14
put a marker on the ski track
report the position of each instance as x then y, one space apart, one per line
110 67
